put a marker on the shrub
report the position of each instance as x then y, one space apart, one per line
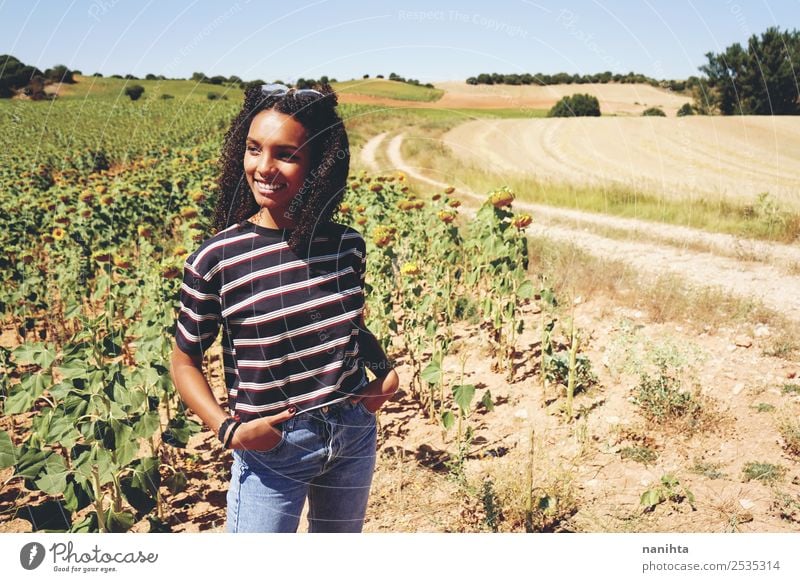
578 105
654 112
134 91
686 109
166 96
661 399
789 427
766 472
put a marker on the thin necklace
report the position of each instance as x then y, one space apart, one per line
259 215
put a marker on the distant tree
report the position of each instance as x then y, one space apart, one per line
116 76
134 91
758 80
324 79
379 76
255 83
150 77
97 75
216 80
654 112
686 109
16 75
59 74
130 77
77 72
577 105
35 88
366 76
234 80
198 77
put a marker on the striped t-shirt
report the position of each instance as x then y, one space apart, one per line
292 329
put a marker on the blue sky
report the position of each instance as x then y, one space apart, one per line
429 40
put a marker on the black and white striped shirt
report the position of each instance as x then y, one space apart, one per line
292 329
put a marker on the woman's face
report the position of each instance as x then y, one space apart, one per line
276 162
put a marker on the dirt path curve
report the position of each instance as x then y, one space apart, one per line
370 149
766 282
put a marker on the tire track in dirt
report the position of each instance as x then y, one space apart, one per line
370 149
763 281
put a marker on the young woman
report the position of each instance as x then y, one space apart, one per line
286 286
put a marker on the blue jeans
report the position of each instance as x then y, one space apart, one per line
327 454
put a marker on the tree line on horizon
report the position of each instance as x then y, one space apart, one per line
17 77
759 79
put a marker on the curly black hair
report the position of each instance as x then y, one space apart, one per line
325 184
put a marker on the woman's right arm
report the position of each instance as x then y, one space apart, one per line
187 375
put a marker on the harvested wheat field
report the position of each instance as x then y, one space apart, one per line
732 158
614 98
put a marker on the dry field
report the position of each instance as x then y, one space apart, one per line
615 99
733 158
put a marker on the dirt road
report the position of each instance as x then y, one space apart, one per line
770 274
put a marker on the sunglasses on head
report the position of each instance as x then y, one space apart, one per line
279 89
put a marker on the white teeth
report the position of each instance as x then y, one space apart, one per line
268 187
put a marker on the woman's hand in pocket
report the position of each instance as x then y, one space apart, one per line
378 391
261 434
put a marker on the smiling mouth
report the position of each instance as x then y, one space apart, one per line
265 188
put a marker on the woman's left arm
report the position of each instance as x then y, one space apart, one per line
379 391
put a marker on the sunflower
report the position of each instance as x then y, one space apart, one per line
446 216
381 236
59 233
502 197
410 269
101 256
121 262
522 220
171 272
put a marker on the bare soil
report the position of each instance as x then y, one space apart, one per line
597 487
